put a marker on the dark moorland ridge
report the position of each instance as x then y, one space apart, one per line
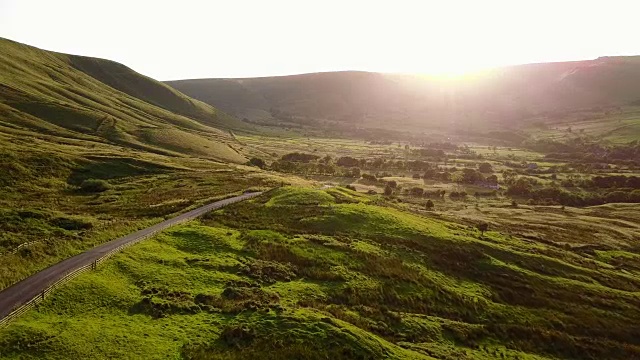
499 96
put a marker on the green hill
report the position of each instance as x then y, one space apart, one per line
75 97
91 150
332 274
502 97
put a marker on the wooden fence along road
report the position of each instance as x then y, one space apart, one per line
18 298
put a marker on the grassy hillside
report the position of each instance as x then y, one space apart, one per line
317 274
615 126
149 90
91 150
49 213
97 100
343 96
495 98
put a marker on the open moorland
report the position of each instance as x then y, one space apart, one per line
82 159
508 233
304 273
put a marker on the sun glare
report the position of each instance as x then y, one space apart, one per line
444 38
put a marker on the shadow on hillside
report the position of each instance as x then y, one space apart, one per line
113 167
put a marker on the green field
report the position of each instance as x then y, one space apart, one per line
301 273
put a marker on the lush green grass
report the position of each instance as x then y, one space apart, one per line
298 196
44 205
101 101
66 121
303 273
160 300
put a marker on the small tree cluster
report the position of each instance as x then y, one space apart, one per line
257 162
429 205
94 186
457 194
482 227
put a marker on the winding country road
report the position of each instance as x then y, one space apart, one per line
24 291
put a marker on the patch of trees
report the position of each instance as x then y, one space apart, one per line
429 205
456 195
551 195
417 165
467 176
433 153
614 181
369 177
434 194
482 227
347 161
353 172
519 187
309 164
420 192
485 168
257 162
469 156
299 157
94 186
602 182
578 149
432 174
380 167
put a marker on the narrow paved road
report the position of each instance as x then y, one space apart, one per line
27 289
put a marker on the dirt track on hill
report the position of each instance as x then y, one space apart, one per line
24 291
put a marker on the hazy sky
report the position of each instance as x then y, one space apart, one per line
240 38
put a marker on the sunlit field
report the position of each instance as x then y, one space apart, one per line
333 273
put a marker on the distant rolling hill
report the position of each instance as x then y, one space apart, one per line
503 97
73 97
